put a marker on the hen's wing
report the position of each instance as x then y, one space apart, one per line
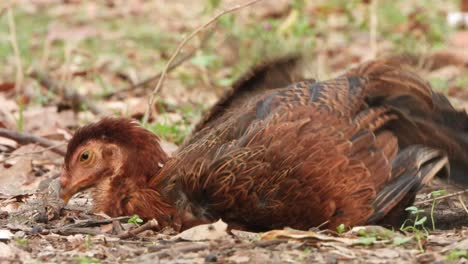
310 153
287 170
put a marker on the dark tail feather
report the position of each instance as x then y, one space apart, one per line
412 168
426 117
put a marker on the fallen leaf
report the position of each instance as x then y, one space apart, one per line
13 178
7 252
6 86
309 236
386 253
212 231
245 235
461 245
5 234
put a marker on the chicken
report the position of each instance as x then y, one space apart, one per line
351 150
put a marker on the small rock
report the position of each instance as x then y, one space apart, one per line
426 258
41 217
36 230
3 214
20 234
211 258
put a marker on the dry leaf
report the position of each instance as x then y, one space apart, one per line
6 86
5 234
212 231
245 235
461 245
7 251
13 178
309 236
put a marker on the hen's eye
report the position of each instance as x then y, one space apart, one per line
85 156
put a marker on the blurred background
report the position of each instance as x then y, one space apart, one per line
54 51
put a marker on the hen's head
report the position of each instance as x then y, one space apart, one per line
111 149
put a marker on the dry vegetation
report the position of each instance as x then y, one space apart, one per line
67 63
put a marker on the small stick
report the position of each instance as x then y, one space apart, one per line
26 138
93 223
373 28
69 94
151 99
463 203
150 225
33 152
428 201
152 78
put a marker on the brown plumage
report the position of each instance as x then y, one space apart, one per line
351 150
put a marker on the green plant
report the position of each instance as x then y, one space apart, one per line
20 119
170 132
417 227
22 242
88 241
434 195
398 241
340 229
135 220
457 254
87 260
366 241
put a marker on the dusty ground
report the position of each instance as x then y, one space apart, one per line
51 50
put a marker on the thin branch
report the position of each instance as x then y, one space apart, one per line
26 138
429 201
33 152
69 94
14 45
94 222
462 203
373 28
158 86
152 78
150 225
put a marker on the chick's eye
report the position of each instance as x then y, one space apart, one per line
85 156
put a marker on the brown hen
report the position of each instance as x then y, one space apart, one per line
351 150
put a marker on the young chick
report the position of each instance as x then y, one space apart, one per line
117 158
351 150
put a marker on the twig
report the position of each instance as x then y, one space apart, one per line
26 138
158 86
428 201
152 78
150 225
463 203
93 223
373 28
33 152
69 94
14 45
76 230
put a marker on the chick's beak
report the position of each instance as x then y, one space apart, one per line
66 188
65 195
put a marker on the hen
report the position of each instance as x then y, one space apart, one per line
350 150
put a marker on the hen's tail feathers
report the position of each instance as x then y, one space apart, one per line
412 168
268 75
426 117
